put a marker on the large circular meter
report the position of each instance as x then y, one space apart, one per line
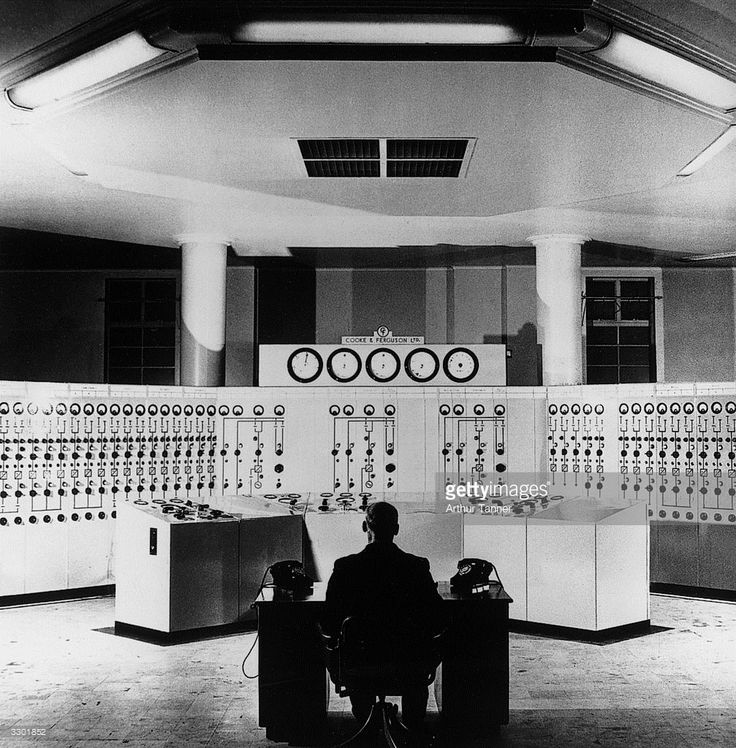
304 365
422 365
383 364
344 365
460 364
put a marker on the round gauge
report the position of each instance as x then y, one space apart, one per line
382 364
422 364
460 365
304 365
343 365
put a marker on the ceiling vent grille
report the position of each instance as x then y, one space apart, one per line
386 157
426 149
341 157
423 168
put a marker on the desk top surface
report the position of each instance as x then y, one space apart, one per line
495 594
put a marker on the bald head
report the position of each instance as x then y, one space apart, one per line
381 522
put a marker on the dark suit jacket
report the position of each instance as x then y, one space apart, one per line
384 584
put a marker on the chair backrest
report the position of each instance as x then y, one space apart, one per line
385 657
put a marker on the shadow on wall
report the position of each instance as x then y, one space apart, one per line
524 359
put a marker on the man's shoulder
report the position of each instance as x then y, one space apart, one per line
419 563
347 561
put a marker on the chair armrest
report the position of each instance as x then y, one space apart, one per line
329 641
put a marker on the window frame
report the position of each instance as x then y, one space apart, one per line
138 277
636 273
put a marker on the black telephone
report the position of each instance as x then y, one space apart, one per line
289 576
473 575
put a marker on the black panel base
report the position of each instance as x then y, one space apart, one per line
604 636
166 638
105 590
683 590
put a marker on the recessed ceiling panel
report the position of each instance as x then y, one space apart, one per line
546 135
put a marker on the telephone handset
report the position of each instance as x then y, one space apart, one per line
473 575
289 576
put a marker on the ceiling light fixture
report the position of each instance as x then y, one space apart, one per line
107 62
664 68
706 258
719 144
363 29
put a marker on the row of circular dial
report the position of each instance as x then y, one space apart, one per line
382 365
32 408
688 408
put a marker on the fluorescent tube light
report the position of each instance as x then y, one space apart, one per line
93 67
667 69
381 30
706 258
721 142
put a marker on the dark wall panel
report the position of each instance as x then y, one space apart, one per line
53 326
393 297
285 305
698 324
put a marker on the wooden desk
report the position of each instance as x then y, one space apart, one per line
473 691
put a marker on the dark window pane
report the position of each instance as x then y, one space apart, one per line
636 309
124 336
602 355
602 335
633 356
600 287
158 376
159 336
159 357
634 335
124 357
636 289
635 374
125 376
123 290
160 311
601 309
124 311
160 290
602 375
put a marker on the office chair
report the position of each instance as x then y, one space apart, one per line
370 657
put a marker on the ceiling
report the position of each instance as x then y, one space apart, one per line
207 148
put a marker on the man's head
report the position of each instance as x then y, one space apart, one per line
381 522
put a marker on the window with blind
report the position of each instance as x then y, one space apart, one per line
140 331
619 320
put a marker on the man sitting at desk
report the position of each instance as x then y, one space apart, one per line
391 588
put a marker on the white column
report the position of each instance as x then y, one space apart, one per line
203 267
559 307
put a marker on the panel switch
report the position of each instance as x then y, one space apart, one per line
153 541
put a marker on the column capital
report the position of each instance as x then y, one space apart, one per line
579 239
202 238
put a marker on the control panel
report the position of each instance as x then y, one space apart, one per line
71 455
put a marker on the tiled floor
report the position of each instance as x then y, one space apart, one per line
85 687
